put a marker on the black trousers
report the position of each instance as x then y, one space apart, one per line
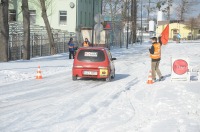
71 54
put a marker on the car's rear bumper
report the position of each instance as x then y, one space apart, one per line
79 72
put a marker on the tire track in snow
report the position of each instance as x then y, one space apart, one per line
103 106
44 101
64 119
44 86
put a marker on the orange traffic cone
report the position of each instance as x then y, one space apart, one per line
39 73
150 81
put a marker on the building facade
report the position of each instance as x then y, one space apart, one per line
179 28
67 15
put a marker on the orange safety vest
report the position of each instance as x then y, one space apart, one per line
157 51
85 44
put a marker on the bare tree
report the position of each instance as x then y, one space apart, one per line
126 10
134 19
184 7
198 20
192 23
113 7
26 28
44 5
182 10
160 4
149 8
167 8
48 27
4 28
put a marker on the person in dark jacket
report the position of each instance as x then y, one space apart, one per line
71 48
155 54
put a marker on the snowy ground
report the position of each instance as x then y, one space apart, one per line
127 104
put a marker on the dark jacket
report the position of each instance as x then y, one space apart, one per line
71 46
151 50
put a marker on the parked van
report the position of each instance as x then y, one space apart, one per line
93 62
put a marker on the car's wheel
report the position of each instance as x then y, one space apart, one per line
108 79
113 76
74 78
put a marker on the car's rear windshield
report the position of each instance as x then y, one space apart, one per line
91 55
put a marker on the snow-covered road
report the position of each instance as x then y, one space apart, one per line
56 103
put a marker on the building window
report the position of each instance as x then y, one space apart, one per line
32 16
63 18
199 31
12 15
175 31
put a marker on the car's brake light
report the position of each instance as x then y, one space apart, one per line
78 66
102 67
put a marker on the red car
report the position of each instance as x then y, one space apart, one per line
93 62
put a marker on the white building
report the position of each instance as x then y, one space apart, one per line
69 15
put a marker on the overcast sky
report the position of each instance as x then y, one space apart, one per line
193 11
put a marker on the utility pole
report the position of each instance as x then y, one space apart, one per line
93 23
168 10
141 25
133 19
148 13
127 24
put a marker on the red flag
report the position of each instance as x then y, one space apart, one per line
165 35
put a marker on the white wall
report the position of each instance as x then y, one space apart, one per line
53 14
63 5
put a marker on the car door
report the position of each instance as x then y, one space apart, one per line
112 66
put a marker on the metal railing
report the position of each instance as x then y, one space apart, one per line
39 44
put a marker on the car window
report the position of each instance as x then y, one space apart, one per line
91 55
109 54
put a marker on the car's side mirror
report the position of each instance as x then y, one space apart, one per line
114 58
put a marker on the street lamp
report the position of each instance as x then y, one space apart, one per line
93 24
141 25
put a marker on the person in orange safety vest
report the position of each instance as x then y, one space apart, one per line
155 55
86 43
